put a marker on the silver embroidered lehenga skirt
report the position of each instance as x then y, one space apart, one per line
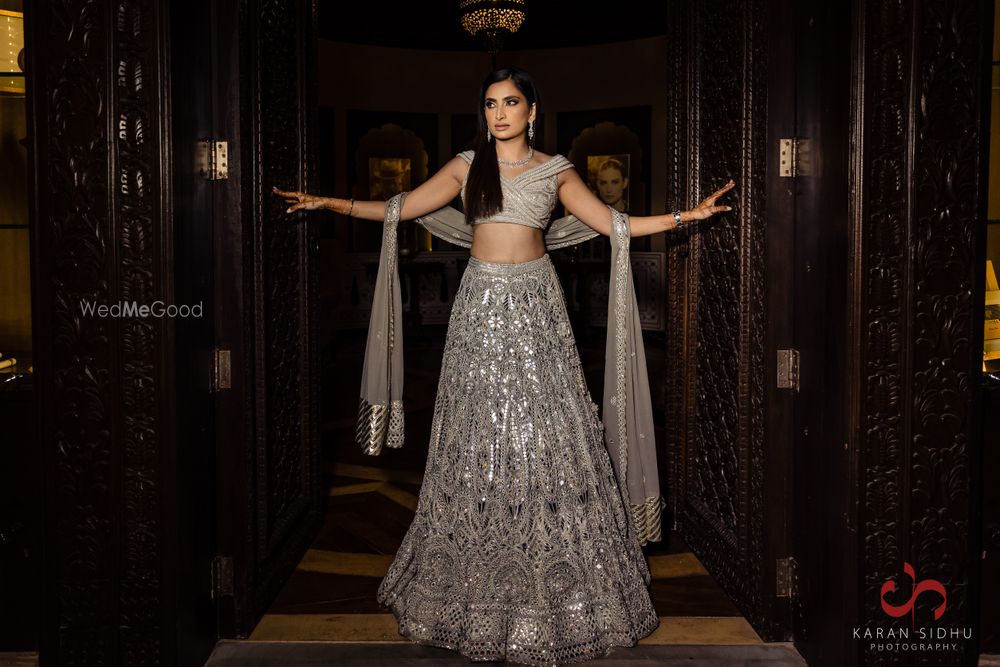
520 549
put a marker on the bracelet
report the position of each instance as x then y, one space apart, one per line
351 209
677 219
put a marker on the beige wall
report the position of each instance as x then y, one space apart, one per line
620 74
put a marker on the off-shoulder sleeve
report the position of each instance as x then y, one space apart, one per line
560 163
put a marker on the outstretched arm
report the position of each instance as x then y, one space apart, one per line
429 196
594 213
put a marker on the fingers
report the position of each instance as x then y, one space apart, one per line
721 191
291 197
725 188
297 200
310 204
705 212
710 200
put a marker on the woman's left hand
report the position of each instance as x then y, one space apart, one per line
707 208
300 200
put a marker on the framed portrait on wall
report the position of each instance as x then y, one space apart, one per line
607 177
390 153
388 176
610 150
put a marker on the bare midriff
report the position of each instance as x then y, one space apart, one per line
506 242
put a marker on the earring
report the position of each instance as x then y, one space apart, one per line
489 136
531 131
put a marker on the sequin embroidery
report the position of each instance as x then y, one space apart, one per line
521 547
529 197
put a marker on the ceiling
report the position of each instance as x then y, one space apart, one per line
434 24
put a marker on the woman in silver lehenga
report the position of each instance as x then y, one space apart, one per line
526 544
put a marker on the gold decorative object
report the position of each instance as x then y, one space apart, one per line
11 52
492 20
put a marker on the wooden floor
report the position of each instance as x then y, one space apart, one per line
331 596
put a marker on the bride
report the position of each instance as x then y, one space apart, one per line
526 542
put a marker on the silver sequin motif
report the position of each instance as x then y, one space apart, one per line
521 548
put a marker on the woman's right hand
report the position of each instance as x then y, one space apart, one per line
301 200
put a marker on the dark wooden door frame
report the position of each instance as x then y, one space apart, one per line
196 200
819 37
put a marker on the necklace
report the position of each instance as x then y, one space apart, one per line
517 163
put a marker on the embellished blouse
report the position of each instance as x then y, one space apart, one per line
529 197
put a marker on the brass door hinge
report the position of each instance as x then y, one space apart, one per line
788 369
785 577
212 160
221 370
794 157
222 577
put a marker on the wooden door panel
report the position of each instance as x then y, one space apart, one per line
920 80
717 334
271 491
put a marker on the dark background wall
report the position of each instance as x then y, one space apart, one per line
443 84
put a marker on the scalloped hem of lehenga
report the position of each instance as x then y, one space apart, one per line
481 651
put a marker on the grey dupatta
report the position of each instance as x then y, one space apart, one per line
380 412
627 413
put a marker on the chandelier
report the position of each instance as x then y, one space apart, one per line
491 20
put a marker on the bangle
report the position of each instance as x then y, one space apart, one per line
349 212
677 219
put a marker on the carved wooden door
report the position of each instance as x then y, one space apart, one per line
270 494
728 477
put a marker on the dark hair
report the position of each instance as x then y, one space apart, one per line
483 196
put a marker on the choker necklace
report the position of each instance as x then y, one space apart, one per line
517 163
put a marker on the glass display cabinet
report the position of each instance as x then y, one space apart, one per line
991 319
15 285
